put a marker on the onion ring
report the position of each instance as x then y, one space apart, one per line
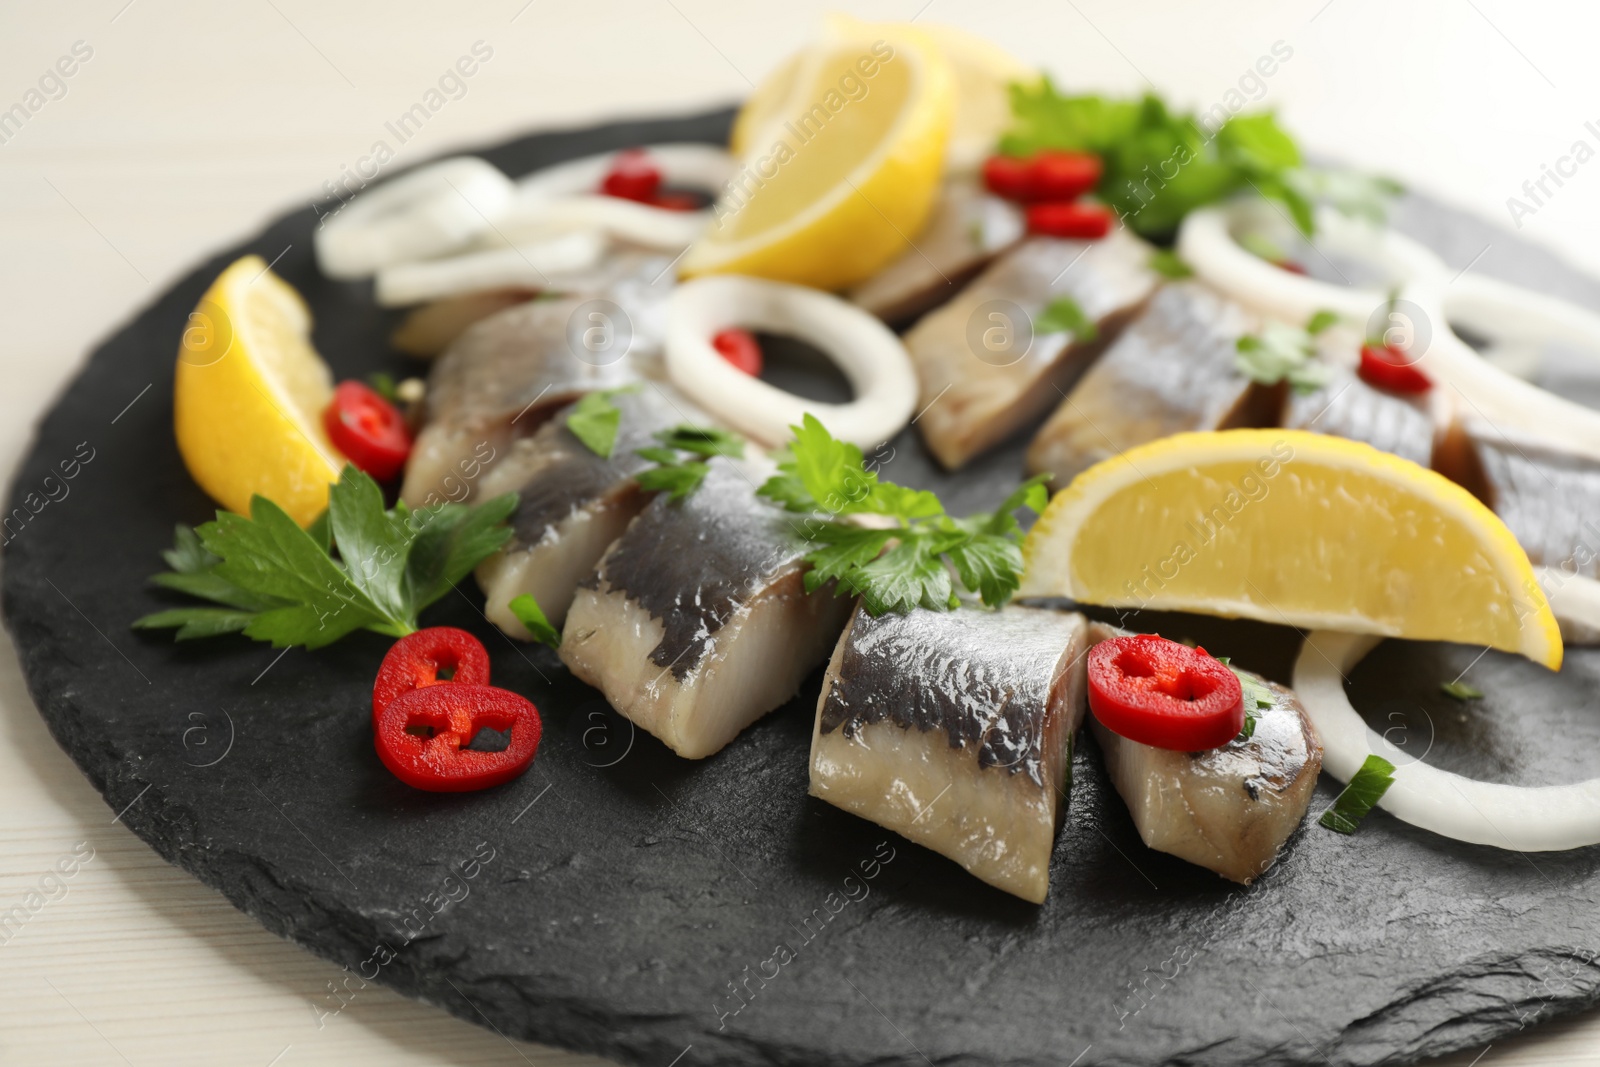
1206 242
627 220
532 266
1519 818
425 212
688 165
868 353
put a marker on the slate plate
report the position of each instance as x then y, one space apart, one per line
620 901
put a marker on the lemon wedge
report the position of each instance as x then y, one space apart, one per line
1291 527
249 396
983 75
845 171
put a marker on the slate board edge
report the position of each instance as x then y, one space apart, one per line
344 936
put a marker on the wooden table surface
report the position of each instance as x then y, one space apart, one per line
183 125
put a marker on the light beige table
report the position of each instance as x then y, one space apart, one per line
192 122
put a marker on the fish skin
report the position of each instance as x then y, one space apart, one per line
977 708
509 372
571 503
1173 369
968 405
1229 809
968 228
1548 497
696 622
1350 408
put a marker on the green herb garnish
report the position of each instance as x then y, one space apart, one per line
1256 697
1166 263
1063 313
530 615
1160 164
1461 690
1321 321
1284 353
594 420
908 563
383 385
1366 788
676 475
279 583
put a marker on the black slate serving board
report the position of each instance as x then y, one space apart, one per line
621 901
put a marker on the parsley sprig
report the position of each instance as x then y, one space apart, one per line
905 558
1161 164
680 458
1286 353
594 420
273 581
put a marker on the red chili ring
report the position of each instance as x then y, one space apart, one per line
741 348
1158 692
455 712
416 661
1392 368
368 430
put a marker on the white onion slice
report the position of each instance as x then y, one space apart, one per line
533 266
427 212
626 220
868 353
1206 242
1521 818
689 166
1575 600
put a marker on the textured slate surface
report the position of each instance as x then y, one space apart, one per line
624 902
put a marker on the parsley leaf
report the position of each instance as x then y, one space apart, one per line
1321 321
677 476
383 385
677 480
1366 788
282 584
703 441
1461 691
1257 697
1064 313
529 614
1166 263
907 565
594 420
1283 353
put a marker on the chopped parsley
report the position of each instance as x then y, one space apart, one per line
277 582
1063 313
594 420
1285 353
531 616
1366 788
1165 262
918 553
1256 697
383 385
677 475
1461 690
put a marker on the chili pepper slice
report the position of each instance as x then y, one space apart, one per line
1082 221
422 736
632 177
368 430
417 660
1158 692
1390 367
740 348
1055 175
1006 176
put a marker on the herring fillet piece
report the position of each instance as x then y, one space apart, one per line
697 622
1229 809
507 373
572 504
954 729
1348 407
1173 369
968 228
967 404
